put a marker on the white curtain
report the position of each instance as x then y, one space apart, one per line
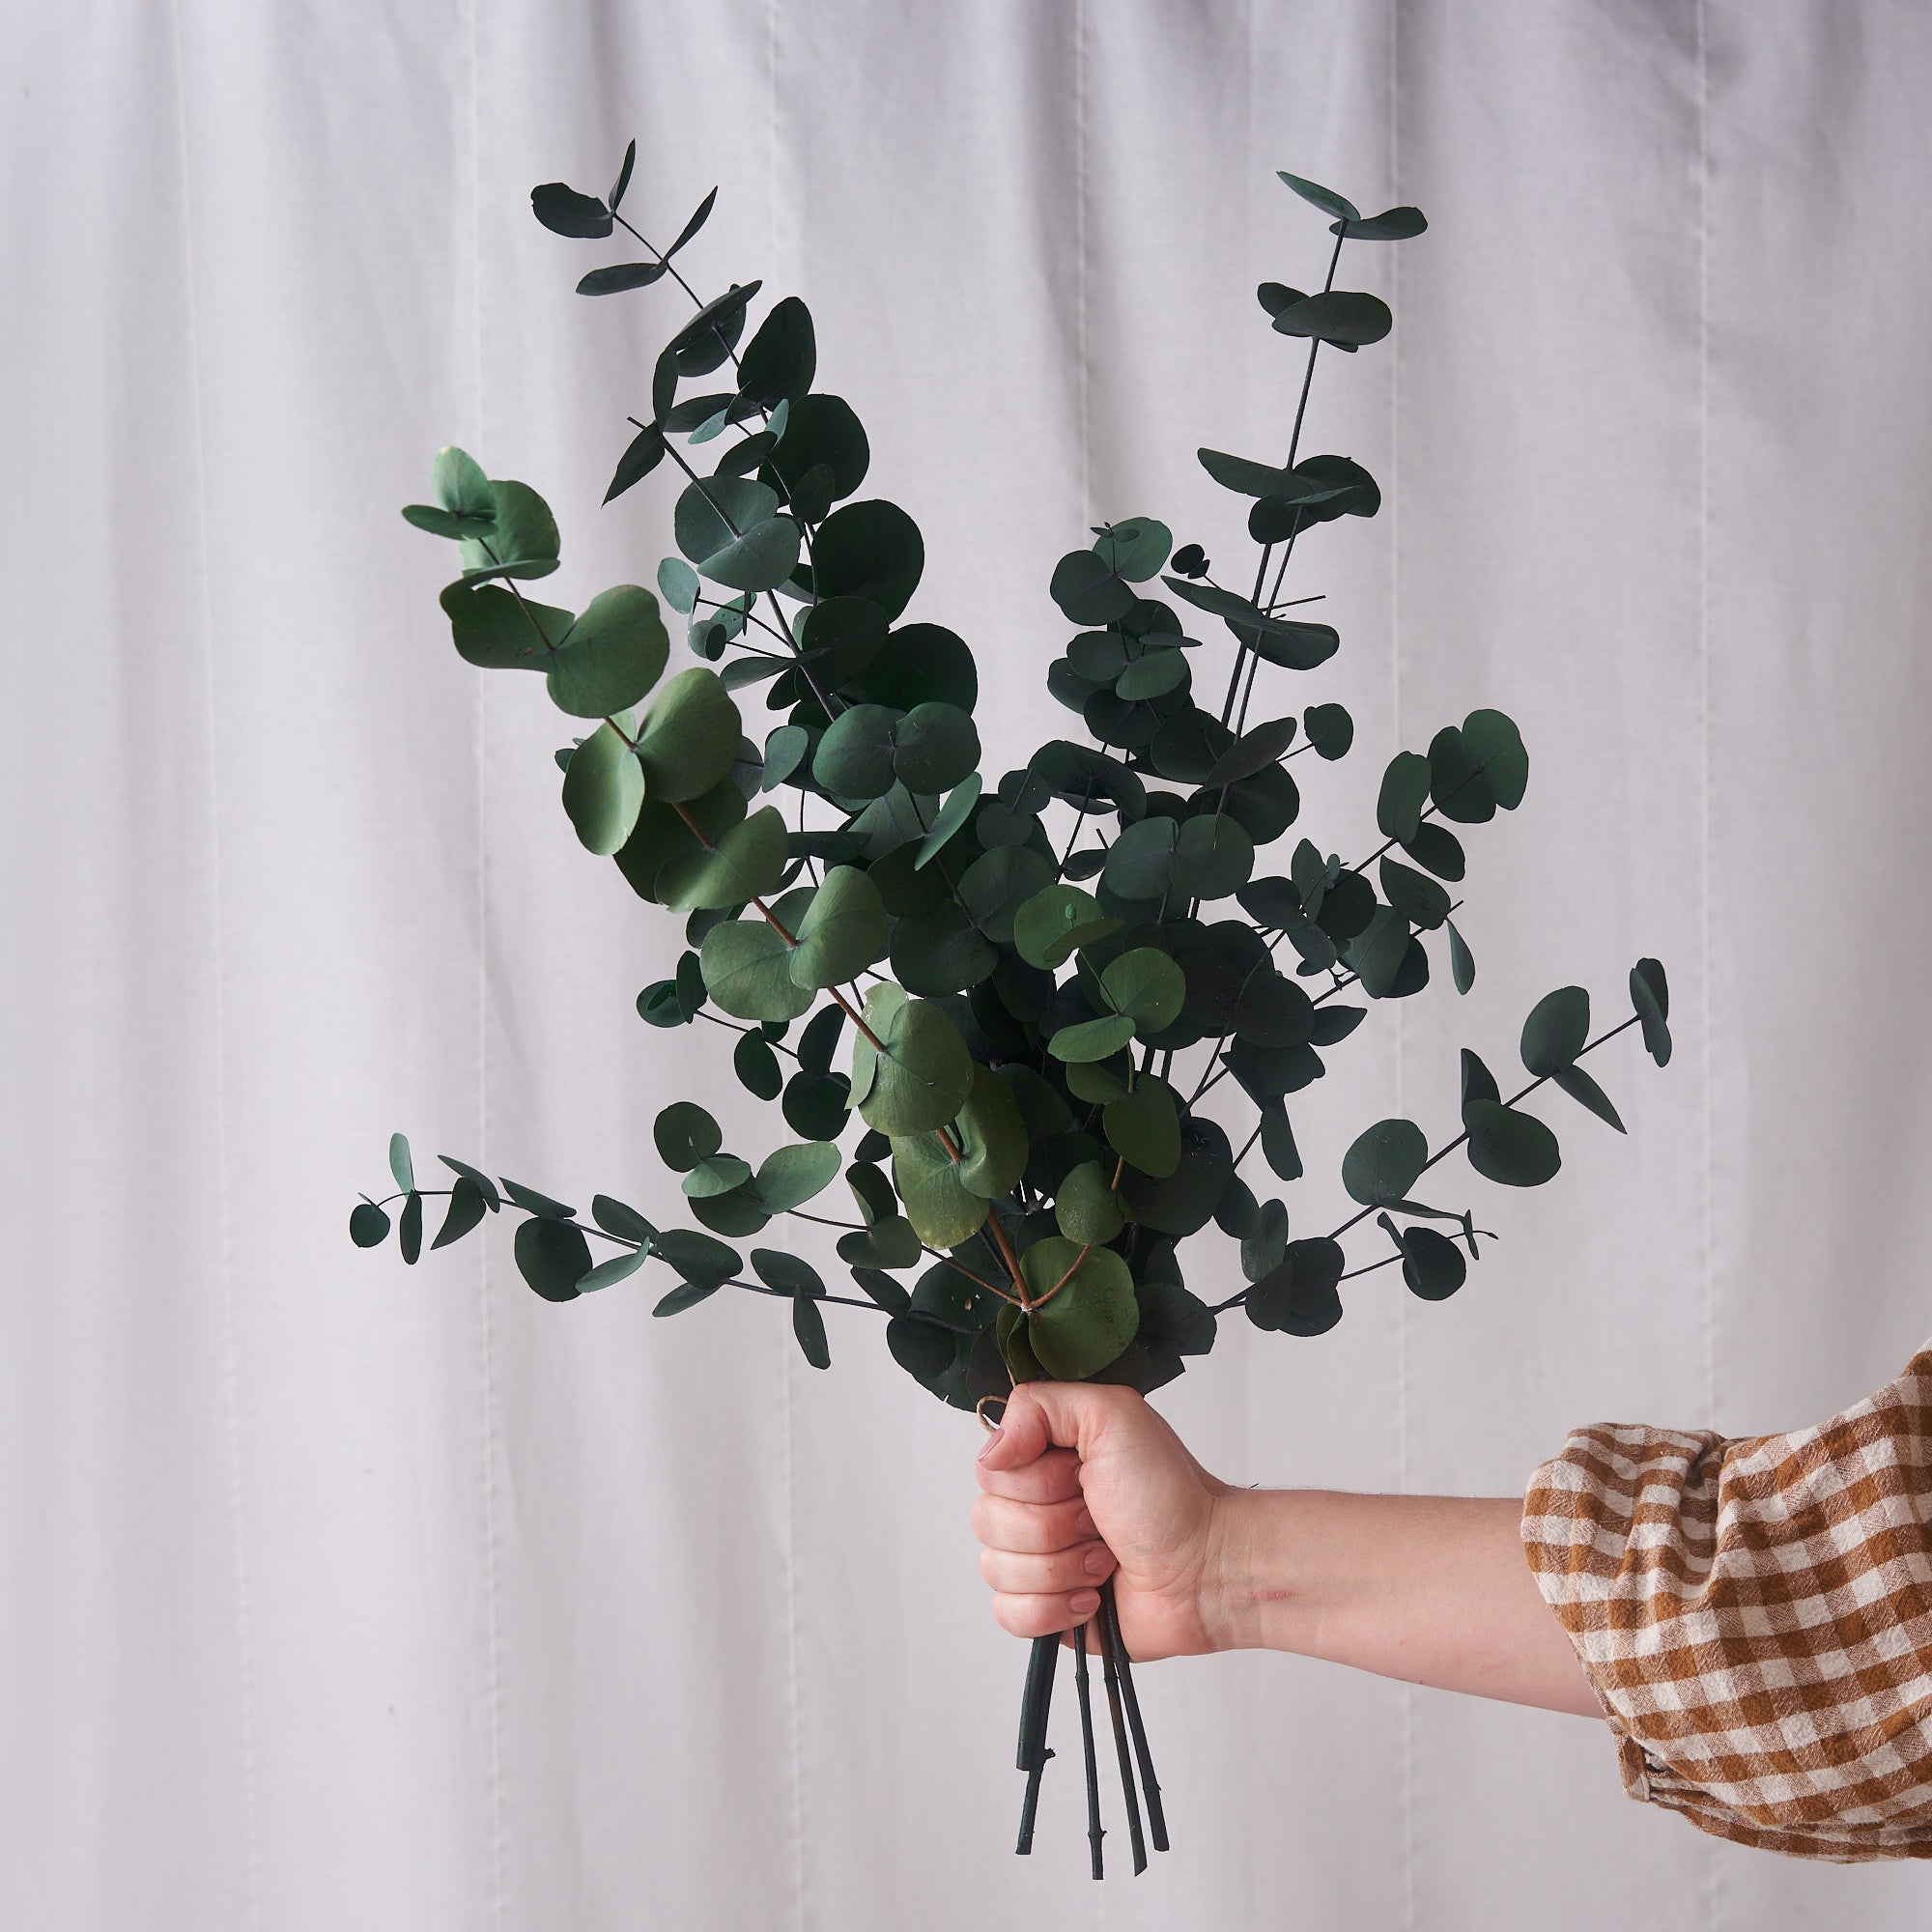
335 1595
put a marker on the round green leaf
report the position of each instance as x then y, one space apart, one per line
1455 780
791 1176
1384 1163
934 746
1432 1263
1299 1297
1053 924
1348 315
823 433
1416 896
843 932
1495 743
920 1072
746 862
1254 752
942 1209
662 834
1089 590
1329 729
889 1242
748 971
854 756
611 656
872 550
552 1257
1650 996
1379 951
1144 1127
604 788
1093 1314
941 951
690 739
1556 1030
756 1067
1156 672
1086 1208
992 1137
1405 792
1212 858
1091 1039
817 1105
998 883
923 1349
678 584
715 1174
686 1134
1135 548
1145 985
1510 1147
368 1225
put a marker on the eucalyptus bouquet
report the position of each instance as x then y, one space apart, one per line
1067 1007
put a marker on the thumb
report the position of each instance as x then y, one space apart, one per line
1043 1415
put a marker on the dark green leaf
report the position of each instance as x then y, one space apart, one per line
529 1199
1380 953
1461 961
991 1136
748 862
1049 927
1432 1263
817 1105
918 1075
1086 1207
552 1257
1091 1039
1253 751
697 1256
687 1294
1509 1145
1329 729
1384 1163
614 1217
942 1209
952 814
618 1267
790 1177
604 788
747 972
1134 547
1478 1082
368 1225
1405 792
1145 985
1455 779
401 1166
1092 1312
689 738
1650 996
1278 1147
1300 1296
1419 898
1344 315
1439 849
780 359
756 1067
1494 743
809 1325
482 1183
843 932
1585 1092
617 278
1557 1030
564 211
1392 224
467 1208
685 1135
872 550
1144 1127
1323 198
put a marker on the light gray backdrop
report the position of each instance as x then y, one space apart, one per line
338 1595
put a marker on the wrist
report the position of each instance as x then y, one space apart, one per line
1250 1597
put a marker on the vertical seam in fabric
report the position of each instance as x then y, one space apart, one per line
1713 1868
1079 256
789 1476
487 1336
230 1338
1393 497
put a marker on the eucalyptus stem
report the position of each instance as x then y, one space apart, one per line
1095 1832
1124 1666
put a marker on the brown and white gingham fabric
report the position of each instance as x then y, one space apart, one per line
1756 1618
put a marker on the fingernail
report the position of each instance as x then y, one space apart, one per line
1083 1602
1084 1525
986 1447
1097 1560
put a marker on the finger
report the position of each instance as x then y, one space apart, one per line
1035 1528
1040 1416
1014 1575
1051 1478
1043 1616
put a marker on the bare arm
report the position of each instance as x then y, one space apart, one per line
1082 1482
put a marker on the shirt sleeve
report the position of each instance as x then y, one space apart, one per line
1755 1615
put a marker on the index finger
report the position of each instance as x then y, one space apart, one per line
1051 1478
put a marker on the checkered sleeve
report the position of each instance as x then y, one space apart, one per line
1755 1615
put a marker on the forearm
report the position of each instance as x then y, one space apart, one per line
1431 1589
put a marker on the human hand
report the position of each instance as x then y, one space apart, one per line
1084 1481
